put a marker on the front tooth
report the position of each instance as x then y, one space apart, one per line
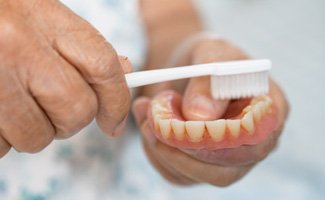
265 107
261 106
216 129
247 122
233 126
247 109
268 102
257 112
195 130
268 99
165 128
178 128
156 120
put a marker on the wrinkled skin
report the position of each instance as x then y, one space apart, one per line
190 166
57 73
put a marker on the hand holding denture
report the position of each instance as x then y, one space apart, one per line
192 138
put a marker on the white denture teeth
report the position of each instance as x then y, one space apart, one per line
178 129
216 129
165 128
156 119
233 126
247 109
262 107
248 123
257 113
195 130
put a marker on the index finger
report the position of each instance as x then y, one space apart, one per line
98 63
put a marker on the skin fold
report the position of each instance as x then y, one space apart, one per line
186 166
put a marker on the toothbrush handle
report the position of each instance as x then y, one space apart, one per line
142 78
137 79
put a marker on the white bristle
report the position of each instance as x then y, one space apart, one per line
240 85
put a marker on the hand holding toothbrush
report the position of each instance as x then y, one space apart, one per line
57 74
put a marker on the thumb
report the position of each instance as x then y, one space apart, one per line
198 104
140 108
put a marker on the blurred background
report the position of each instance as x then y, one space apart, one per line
292 34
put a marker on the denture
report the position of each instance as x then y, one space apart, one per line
246 124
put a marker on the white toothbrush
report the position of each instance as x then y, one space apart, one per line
229 80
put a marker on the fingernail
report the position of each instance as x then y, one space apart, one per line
201 108
126 64
120 128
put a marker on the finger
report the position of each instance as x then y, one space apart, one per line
280 102
185 168
68 101
198 104
140 109
4 146
200 171
99 65
22 123
240 156
167 173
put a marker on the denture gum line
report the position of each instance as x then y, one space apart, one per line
218 129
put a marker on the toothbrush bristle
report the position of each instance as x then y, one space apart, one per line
240 86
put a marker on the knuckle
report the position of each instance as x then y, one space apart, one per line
177 181
51 87
122 110
103 65
221 183
212 50
9 30
81 113
225 179
36 145
266 149
4 151
84 109
173 180
125 107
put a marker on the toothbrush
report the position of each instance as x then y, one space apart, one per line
229 80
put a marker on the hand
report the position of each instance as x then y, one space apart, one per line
217 163
56 74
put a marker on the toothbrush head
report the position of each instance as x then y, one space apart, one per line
241 81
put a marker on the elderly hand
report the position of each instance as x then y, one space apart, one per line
56 74
188 153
